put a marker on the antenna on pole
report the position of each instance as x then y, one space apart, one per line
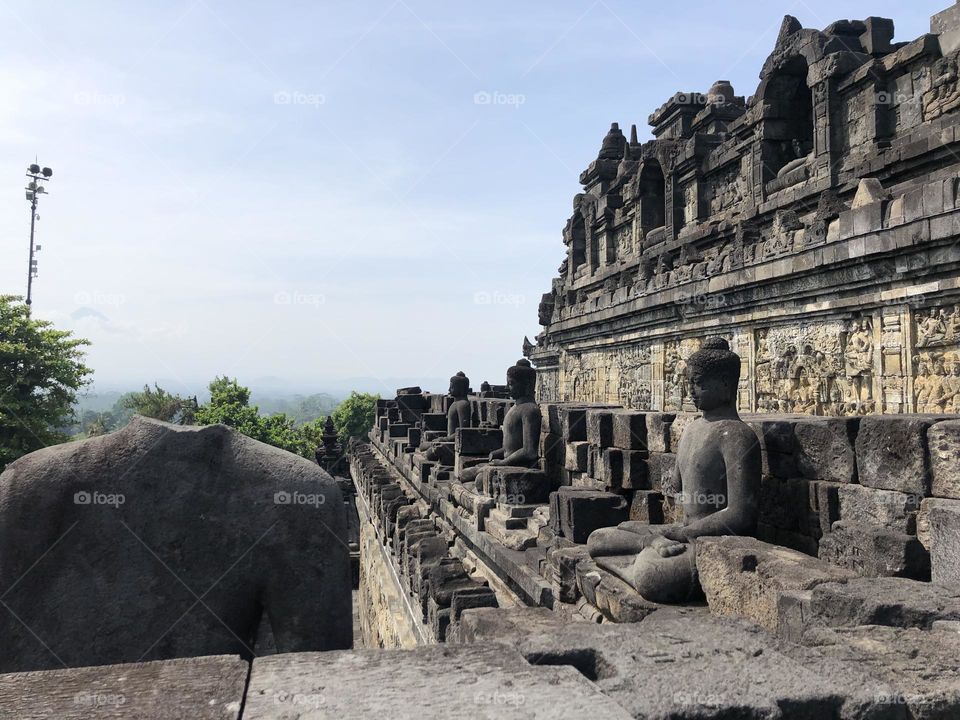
37 176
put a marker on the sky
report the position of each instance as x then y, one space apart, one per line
325 195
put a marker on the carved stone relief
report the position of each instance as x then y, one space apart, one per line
936 384
822 369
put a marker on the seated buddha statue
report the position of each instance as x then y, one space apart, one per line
521 425
718 472
459 415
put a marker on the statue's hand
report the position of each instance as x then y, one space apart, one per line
496 462
666 547
675 533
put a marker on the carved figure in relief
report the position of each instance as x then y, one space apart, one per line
932 330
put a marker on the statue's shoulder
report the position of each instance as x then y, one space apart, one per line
738 431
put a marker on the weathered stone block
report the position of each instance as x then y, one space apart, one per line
825 448
681 664
745 577
610 468
573 423
450 681
200 688
576 457
892 453
874 551
517 486
583 511
917 667
630 430
658 431
647 506
600 428
660 468
787 505
943 439
636 473
434 421
896 602
944 532
478 441
886 508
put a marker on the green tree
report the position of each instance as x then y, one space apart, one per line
41 370
230 405
354 416
160 405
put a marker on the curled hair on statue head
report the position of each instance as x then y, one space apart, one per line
715 359
522 372
460 383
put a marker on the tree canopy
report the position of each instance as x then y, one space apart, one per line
41 371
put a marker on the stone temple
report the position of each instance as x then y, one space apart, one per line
723 483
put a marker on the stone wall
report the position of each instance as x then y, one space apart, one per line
814 225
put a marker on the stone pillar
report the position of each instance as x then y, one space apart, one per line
893 366
656 376
824 146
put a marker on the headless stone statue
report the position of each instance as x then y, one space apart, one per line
458 416
718 471
521 425
160 541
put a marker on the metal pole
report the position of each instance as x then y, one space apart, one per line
33 222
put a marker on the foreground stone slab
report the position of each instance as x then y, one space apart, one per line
117 538
896 602
680 664
205 688
921 667
437 681
744 577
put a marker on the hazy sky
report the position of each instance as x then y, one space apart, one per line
317 191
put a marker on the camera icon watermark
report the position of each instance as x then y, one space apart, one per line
99 298
299 298
284 497
297 97
495 97
95 99
92 699
304 700
95 497
484 297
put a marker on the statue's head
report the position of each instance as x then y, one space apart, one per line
459 385
522 379
713 372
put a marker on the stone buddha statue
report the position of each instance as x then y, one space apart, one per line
718 472
458 416
521 425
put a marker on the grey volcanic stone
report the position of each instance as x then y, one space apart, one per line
825 448
892 453
744 577
922 667
630 430
161 541
945 544
944 441
886 508
207 688
897 602
460 682
874 551
681 664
